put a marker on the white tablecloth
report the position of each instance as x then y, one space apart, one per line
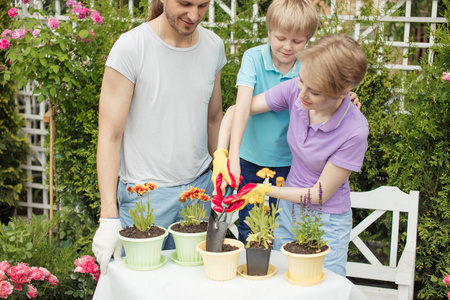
173 281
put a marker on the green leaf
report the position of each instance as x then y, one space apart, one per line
63 45
83 33
55 69
43 62
37 41
28 25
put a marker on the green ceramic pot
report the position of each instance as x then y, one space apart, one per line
186 244
144 254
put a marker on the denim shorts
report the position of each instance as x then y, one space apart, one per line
337 233
165 204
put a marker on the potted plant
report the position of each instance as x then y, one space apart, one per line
262 222
221 266
191 230
306 253
143 241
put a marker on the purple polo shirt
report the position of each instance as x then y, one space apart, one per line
342 140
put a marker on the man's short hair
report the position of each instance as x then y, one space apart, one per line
298 16
336 63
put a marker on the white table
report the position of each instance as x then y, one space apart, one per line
173 281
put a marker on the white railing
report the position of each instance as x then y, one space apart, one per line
37 196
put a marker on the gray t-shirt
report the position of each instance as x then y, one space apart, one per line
165 138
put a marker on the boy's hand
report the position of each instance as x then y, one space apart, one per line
221 171
355 100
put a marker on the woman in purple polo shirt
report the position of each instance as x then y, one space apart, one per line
327 136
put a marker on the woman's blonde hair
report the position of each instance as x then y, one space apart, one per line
335 63
292 16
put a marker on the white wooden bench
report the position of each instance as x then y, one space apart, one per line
385 199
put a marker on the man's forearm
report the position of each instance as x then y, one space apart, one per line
107 172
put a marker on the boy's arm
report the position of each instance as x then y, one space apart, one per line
245 106
240 119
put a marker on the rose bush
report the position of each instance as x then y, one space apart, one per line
18 278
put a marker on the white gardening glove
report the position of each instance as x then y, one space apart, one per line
106 242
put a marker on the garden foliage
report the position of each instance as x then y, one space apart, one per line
14 146
408 141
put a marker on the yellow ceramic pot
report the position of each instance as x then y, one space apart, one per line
305 269
221 266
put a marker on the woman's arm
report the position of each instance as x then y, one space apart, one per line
331 179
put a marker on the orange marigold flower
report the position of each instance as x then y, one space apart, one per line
194 193
265 173
280 181
266 208
150 186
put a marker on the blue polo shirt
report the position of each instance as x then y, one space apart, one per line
264 142
342 140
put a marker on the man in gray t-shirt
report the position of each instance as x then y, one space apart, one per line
159 117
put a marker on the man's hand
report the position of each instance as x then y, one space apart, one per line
106 243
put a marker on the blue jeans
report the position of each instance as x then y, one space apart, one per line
337 233
165 204
248 172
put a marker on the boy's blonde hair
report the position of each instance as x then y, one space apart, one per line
292 16
336 63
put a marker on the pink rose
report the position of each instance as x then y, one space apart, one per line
71 3
6 289
12 12
53 280
96 275
46 273
4 265
26 1
35 32
2 275
79 262
32 291
21 33
446 76
36 274
6 34
19 274
446 279
79 270
93 35
53 23
90 267
96 17
15 35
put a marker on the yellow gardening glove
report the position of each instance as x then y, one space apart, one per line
221 170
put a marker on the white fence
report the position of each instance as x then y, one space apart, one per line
33 112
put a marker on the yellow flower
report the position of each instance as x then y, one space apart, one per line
265 188
265 173
280 181
266 208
